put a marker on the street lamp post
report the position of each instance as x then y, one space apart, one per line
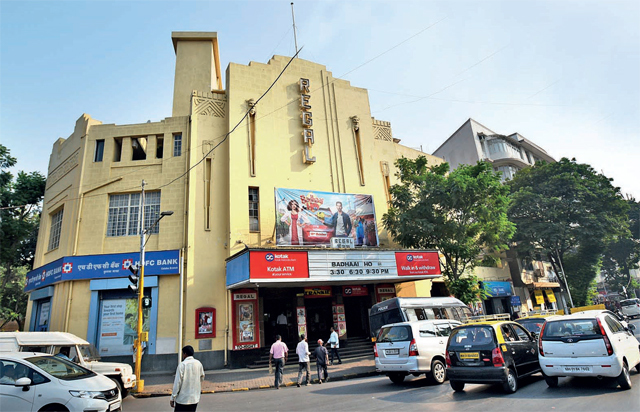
139 339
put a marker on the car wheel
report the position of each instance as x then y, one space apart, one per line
54 408
457 386
552 381
438 372
396 377
624 380
511 384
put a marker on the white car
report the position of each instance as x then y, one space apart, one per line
592 343
31 381
630 307
413 348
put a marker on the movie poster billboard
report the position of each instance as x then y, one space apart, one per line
311 218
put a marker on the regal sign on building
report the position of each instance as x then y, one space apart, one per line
307 121
310 218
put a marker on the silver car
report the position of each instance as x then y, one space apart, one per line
413 348
630 307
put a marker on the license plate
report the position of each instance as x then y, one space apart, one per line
114 406
392 351
581 369
469 355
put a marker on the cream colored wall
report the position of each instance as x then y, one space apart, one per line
168 307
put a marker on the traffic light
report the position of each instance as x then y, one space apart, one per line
133 278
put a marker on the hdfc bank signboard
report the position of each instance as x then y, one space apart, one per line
418 263
279 265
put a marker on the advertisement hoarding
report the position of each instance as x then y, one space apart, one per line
309 218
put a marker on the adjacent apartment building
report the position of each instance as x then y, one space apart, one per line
276 200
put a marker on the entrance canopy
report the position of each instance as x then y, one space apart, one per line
294 267
164 262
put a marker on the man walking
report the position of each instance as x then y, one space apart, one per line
302 350
322 359
334 343
187 385
278 353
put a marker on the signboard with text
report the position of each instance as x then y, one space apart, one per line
355 291
418 263
278 265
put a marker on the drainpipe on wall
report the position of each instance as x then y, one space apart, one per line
181 304
226 330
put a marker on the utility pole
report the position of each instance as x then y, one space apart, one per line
564 276
295 38
138 342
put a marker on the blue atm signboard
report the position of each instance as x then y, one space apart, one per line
165 262
497 289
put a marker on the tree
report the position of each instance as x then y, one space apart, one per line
19 220
623 254
462 214
567 209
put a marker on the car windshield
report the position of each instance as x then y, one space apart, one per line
60 368
571 327
627 302
532 325
395 334
479 335
384 318
89 352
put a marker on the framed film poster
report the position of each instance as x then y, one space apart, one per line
245 325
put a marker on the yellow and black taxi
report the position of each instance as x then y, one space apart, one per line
534 320
491 351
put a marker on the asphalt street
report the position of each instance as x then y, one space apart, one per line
379 394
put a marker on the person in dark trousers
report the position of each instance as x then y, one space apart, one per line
278 353
334 344
188 382
322 359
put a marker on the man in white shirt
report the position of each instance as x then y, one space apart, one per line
187 385
334 344
302 350
282 323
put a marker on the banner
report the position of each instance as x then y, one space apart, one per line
313 218
417 263
278 265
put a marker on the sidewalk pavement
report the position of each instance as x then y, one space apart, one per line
231 380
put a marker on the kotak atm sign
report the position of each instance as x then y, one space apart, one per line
417 263
278 265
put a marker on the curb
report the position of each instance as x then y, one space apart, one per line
288 384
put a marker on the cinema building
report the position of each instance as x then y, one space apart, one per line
276 224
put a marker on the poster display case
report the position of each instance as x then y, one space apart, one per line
245 326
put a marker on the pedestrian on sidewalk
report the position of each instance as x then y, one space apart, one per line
187 384
322 359
334 343
302 350
278 353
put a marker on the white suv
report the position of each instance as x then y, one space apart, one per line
630 307
590 343
413 348
31 381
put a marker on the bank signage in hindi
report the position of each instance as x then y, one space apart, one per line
418 263
102 267
278 265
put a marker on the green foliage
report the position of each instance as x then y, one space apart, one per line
467 289
19 220
567 211
592 292
461 214
623 254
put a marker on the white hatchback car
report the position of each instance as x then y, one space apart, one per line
591 343
630 307
415 348
31 381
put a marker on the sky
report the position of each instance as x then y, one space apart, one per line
563 74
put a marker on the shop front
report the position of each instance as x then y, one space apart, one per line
111 306
499 297
544 295
290 292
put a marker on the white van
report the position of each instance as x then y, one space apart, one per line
79 351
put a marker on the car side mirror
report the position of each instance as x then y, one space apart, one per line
534 336
24 383
632 327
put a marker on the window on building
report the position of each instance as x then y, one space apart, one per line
56 228
139 148
124 213
507 171
159 147
97 156
117 149
177 145
254 209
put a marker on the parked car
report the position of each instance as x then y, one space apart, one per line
591 343
79 351
630 307
533 321
31 381
491 351
413 348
